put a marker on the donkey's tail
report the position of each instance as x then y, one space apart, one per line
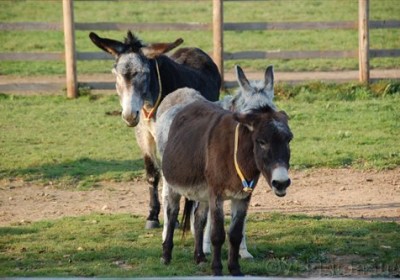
187 210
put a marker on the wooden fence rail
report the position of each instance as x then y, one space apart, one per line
24 56
218 27
228 26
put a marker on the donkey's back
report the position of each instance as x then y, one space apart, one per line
205 75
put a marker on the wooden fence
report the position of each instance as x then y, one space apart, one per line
70 56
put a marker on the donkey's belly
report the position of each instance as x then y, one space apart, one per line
235 194
198 192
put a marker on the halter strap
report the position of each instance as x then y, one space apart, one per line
248 186
148 115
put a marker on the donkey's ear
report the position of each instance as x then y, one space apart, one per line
241 78
247 120
108 45
269 77
155 49
285 115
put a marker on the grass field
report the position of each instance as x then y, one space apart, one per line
77 142
118 246
201 11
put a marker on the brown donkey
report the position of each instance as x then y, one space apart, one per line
213 155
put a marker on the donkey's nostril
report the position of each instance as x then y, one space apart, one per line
131 119
281 184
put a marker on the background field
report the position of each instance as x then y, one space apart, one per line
80 141
201 11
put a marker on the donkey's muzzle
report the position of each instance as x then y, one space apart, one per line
280 180
280 187
131 120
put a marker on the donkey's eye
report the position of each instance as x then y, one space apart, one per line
129 76
262 143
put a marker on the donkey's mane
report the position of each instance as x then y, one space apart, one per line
132 43
263 109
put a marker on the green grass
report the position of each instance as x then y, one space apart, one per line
118 246
77 143
343 125
52 138
201 11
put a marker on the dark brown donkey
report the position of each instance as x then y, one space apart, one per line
144 76
214 155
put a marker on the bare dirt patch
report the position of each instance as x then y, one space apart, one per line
328 192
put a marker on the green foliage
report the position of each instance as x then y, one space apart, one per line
119 246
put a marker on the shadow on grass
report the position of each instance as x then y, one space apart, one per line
4 231
81 169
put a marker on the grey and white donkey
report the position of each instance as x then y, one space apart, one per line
249 96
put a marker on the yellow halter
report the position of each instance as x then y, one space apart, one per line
248 186
149 115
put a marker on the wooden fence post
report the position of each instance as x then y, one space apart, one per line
363 40
70 54
218 36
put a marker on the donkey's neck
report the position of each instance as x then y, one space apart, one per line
155 81
175 75
163 76
245 155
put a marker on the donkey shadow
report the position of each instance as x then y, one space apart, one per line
81 169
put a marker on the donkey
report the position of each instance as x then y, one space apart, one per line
249 96
213 155
144 76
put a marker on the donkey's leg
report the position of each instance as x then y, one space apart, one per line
164 196
207 236
153 178
217 232
243 252
172 212
200 221
147 144
239 210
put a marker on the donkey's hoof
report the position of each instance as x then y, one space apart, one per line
244 254
165 261
235 271
240 274
201 258
217 273
152 224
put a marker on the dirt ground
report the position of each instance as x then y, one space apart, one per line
328 192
